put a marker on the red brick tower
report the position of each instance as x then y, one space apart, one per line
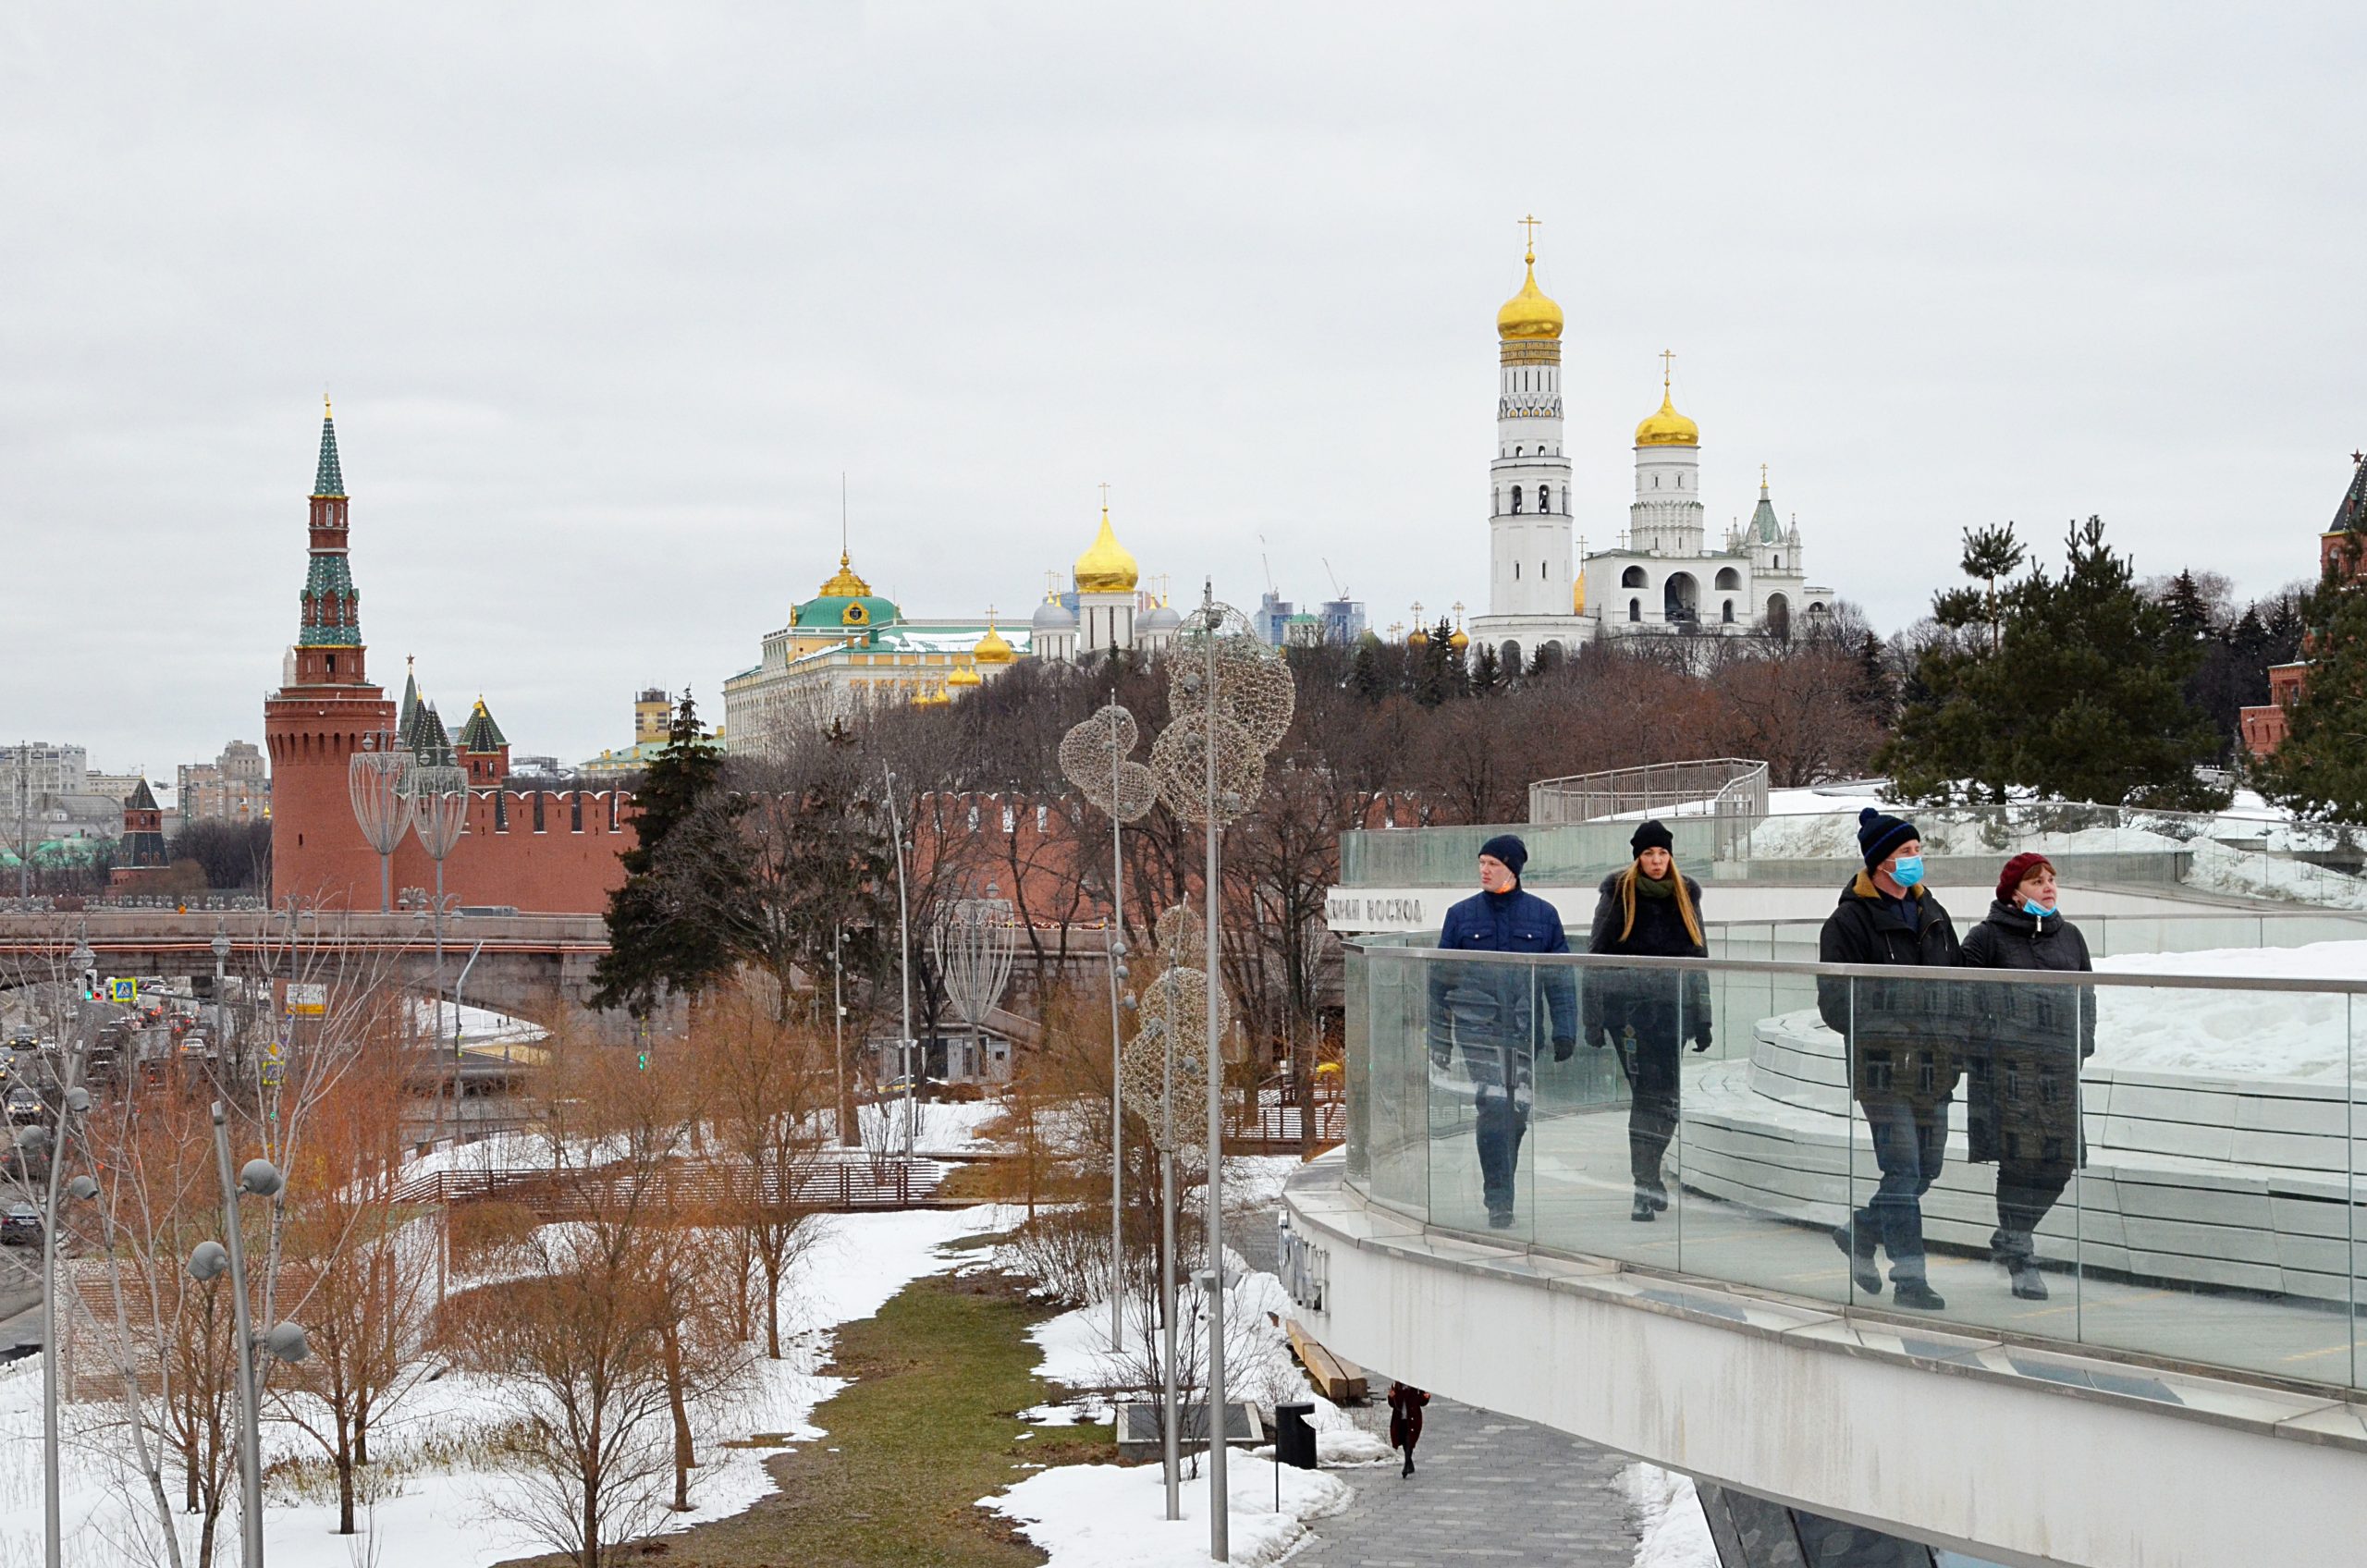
485 749
325 711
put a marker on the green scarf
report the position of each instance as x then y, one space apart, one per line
1663 888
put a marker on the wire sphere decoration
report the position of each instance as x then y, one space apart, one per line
1254 685
1163 1069
1094 757
439 807
1179 760
975 941
379 784
1180 935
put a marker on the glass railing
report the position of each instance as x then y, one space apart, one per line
2109 936
2161 1164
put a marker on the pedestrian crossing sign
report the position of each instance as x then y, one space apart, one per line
125 991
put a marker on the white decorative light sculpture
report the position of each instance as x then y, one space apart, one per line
378 782
1095 758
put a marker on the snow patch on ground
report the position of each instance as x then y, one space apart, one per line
1259 1365
944 1126
1673 1532
1115 1516
2285 1035
448 1510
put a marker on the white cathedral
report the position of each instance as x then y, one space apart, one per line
1662 578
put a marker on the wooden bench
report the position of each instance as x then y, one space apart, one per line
1341 1381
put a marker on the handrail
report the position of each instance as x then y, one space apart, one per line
1919 972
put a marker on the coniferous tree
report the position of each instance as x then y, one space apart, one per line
658 938
1487 673
2320 768
2073 687
1371 683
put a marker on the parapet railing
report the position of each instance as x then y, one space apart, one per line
2195 1190
1731 792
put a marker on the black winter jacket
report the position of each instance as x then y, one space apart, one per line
1904 1034
1646 1002
2022 1097
1491 1010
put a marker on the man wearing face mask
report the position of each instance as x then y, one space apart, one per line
1903 1038
2022 1092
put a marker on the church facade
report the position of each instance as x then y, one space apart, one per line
1545 596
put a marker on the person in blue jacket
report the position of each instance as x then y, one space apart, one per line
1488 1012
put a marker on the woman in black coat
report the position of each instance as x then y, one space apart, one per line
1650 909
2022 1098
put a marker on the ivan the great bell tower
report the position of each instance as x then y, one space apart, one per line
325 711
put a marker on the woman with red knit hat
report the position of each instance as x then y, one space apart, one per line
2022 1098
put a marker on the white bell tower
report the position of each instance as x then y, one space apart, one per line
1529 478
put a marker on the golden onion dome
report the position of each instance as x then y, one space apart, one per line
993 648
1417 638
1460 641
1667 427
1530 313
965 676
846 584
1107 567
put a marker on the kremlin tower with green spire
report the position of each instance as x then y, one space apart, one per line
325 711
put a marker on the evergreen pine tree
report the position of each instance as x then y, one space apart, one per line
2190 616
653 943
2320 768
1365 674
1487 673
2073 687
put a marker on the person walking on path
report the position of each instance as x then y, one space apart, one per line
1405 1404
1903 1035
2022 1087
1490 1011
1650 909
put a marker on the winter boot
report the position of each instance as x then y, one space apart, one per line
2029 1284
1645 1211
1862 1268
1918 1294
1409 1463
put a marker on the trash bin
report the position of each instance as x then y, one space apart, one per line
1295 1435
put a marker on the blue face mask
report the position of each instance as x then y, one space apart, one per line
2031 906
1908 871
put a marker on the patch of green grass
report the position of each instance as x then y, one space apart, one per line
922 1434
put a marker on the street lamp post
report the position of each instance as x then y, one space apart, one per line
905 940
284 1341
220 947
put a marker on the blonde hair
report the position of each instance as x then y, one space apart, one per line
1627 880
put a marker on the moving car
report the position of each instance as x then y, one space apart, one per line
20 1227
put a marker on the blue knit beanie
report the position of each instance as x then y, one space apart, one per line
1878 837
1507 847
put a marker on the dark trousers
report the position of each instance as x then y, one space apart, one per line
2025 1191
1501 1124
1909 1143
1650 1070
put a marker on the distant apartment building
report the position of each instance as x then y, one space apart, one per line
48 791
234 787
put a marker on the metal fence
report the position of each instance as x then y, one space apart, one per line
1731 792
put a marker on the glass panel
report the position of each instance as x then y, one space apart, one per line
1764 1138
1400 1081
1355 1049
1482 1072
2212 1221
1601 1186
1906 1043
2003 1220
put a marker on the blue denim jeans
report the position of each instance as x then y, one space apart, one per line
1909 1143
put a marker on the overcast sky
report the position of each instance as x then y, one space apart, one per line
608 298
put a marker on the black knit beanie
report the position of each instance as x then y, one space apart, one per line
1507 847
1878 837
1653 835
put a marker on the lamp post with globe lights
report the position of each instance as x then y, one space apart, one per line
1232 698
283 1342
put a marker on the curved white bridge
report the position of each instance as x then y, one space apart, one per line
1992 1445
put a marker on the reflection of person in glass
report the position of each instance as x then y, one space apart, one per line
1488 1012
1650 909
1902 1037
2022 1084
